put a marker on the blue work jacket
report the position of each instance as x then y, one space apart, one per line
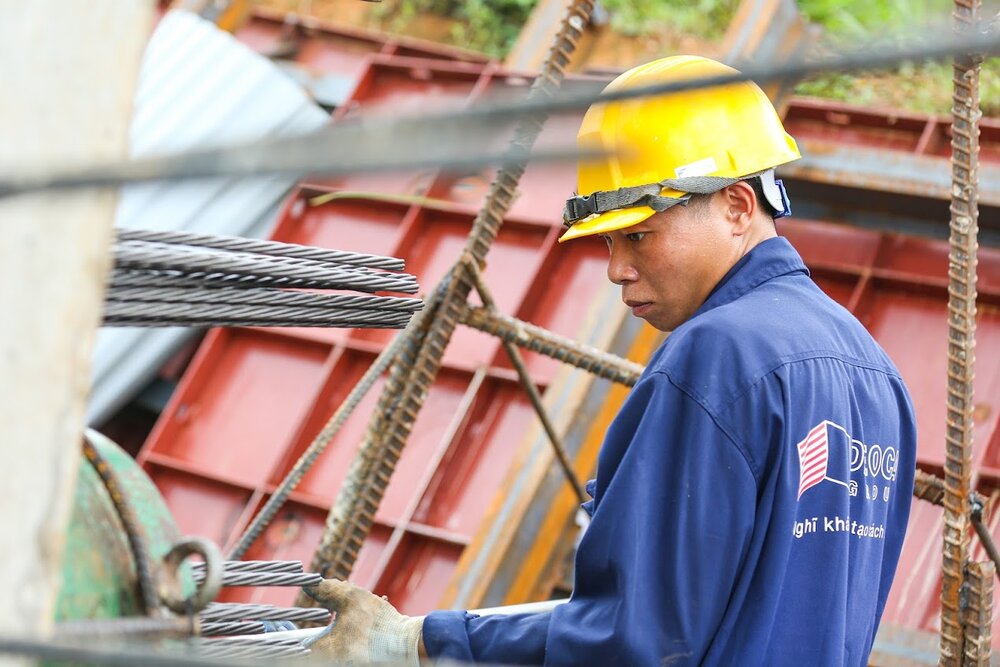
751 495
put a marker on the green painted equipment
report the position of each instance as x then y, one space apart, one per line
100 573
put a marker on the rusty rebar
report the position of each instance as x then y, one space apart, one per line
978 614
931 488
928 487
538 339
961 338
352 515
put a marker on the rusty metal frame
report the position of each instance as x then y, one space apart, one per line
538 339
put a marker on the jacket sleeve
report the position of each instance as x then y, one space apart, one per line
673 515
518 639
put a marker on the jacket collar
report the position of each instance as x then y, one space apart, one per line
768 259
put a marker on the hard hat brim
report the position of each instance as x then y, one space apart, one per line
608 222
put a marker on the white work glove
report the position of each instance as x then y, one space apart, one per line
367 628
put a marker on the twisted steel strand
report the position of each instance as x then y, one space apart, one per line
263 297
249 322
272 248
236 611
267 639
266 579
206 280
216 628
167 311
222 255
171 258
256 566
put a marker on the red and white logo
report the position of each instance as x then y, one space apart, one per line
829 453
814 457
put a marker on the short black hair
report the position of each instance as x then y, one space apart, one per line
758 190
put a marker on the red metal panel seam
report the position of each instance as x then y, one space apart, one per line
296 439
165 424
448 441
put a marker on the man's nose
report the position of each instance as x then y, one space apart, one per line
620 269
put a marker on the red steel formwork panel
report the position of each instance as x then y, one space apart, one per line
324 48
919 134
253 399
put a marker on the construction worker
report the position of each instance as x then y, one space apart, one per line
753 491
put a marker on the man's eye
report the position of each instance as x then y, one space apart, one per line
635 237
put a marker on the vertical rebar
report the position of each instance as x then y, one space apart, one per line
979 614
961 337
353 513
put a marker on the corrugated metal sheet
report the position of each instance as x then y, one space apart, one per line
198 87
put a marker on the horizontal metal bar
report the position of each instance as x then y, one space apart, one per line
543 341
462 138
130 626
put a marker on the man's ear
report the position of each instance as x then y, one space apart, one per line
741 206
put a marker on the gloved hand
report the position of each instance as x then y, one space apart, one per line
367 628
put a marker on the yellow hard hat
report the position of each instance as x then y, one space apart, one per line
662 149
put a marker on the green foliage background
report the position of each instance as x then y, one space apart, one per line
492 26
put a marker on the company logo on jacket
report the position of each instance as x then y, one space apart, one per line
828 453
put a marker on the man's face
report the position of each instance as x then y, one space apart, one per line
668 264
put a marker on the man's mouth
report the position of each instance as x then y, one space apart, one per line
639 308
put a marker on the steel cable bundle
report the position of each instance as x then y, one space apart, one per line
201 280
